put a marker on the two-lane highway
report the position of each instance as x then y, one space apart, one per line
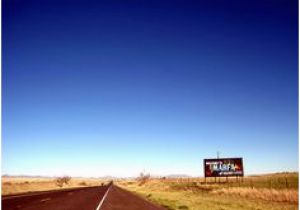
108 197
74 199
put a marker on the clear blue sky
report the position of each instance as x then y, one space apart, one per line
94 88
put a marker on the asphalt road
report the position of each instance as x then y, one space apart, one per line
120 199
75 199
108 197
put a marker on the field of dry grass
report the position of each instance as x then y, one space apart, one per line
273 191
16 185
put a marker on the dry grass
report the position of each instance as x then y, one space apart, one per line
16 185
274 181
284 195
269 192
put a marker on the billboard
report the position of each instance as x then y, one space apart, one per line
223 167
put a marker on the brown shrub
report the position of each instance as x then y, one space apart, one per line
60 181
83 183
143 178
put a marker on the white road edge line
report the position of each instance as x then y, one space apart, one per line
102 200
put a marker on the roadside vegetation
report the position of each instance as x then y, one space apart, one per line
61 181
16 185
275 191
143 178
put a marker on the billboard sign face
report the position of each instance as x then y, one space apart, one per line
223 167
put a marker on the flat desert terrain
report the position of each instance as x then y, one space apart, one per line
17 185
264 192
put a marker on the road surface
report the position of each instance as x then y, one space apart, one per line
108 197
120 199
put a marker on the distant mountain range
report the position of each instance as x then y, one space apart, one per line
174 176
